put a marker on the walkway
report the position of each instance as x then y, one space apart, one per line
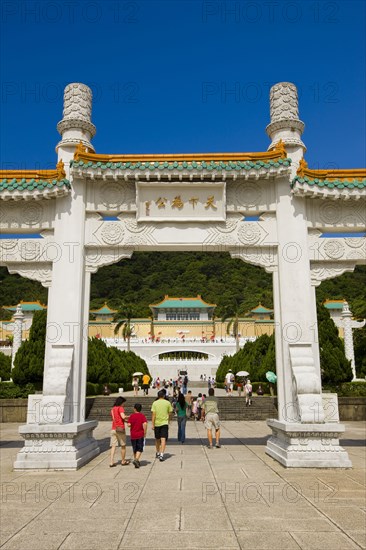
233 497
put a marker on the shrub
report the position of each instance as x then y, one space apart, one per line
5 366
29 360
9 390
352 389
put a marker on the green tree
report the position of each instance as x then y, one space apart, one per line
111 365
359 340
232 311
123 318
98 362
29 360
5 366
334 366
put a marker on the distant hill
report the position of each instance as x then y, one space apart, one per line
148 276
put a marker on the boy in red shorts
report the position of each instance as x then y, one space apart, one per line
137 423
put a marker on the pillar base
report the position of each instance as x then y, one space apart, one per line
297 445
57 446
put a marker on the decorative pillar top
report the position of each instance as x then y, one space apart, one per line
76 125
346 312
285 123
19 313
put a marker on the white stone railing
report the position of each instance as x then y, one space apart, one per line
178 341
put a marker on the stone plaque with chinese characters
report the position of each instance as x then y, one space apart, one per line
181 202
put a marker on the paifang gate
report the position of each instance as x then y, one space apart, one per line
268 209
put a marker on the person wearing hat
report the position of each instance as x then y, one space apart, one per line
248 393
118 433
229 382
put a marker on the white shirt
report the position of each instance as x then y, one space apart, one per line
228 378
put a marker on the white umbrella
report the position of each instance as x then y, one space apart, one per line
138 374
242 373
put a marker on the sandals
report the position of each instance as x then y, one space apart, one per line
112 465
125 463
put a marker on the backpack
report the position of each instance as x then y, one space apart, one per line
232 378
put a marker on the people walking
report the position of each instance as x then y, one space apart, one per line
210 416
118 432
248 393
146 383
185 385
137 423
229 382
189 402
181 409
135 386
161 414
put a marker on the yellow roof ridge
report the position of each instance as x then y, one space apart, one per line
57 174
330 174
278 151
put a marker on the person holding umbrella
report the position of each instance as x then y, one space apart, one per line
239 385
135 383
272 378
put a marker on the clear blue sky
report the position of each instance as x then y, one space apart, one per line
163 73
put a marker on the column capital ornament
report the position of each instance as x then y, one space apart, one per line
96 257
320 271
41 272
265 257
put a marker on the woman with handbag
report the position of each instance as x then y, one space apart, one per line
118 433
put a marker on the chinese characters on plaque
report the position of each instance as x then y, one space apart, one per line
177 202
198 202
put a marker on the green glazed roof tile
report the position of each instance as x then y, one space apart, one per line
187 165
330 184
31 185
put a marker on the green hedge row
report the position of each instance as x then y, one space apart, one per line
9 390
98 389
349 389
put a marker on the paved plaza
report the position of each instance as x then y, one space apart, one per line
233 497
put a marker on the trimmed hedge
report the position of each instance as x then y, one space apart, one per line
98 389
350 389
9 390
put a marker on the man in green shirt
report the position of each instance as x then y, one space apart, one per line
161 414
210 415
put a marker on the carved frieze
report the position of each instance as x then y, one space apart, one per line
327 213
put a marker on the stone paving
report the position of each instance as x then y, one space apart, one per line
233 497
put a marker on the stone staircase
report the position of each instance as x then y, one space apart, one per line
231 408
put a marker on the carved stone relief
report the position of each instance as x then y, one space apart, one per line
284 102
112 233
31 213
330 212
248 194
249 233
334 249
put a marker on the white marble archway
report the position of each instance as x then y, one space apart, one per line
267 209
